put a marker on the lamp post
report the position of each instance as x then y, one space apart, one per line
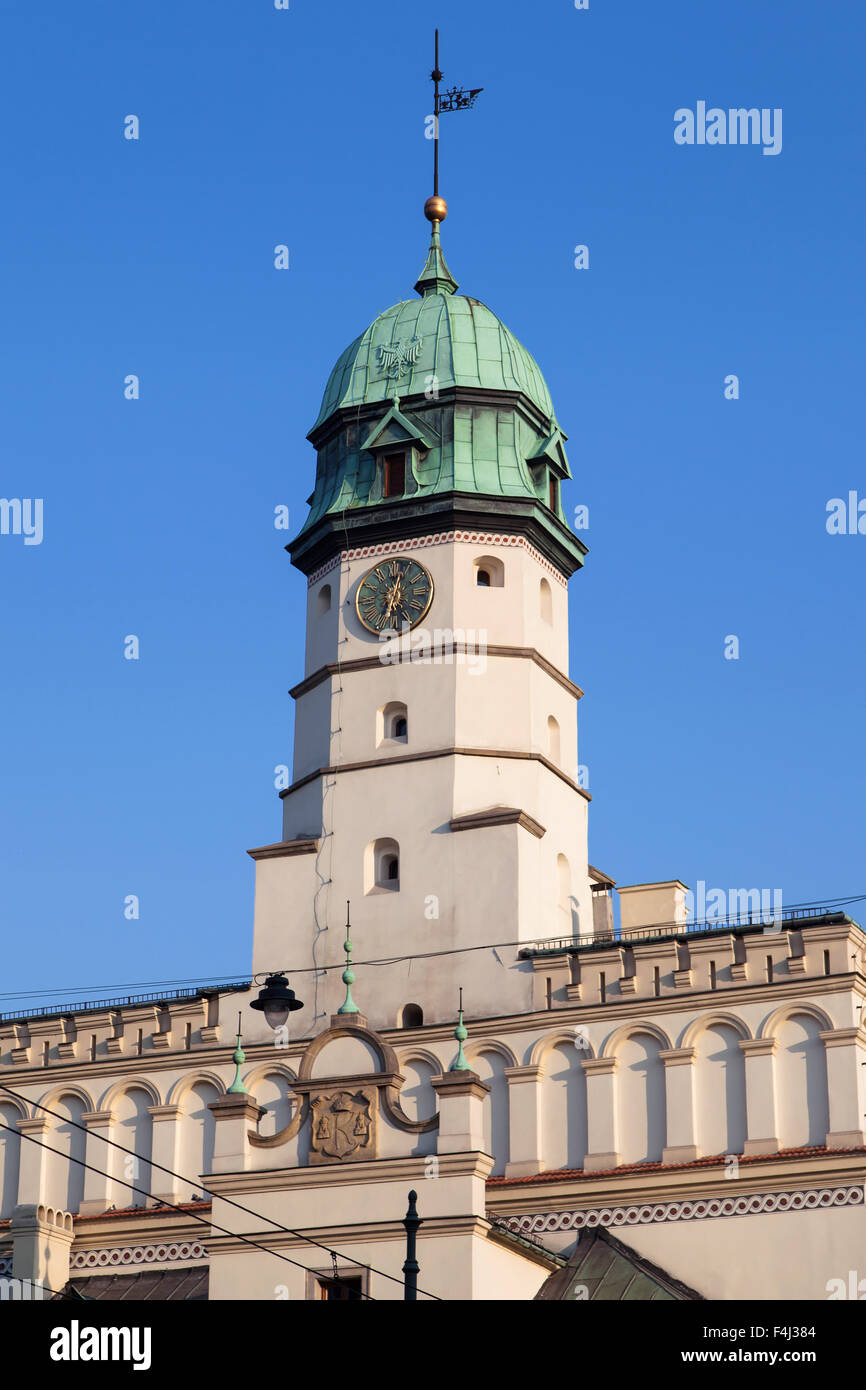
411 1267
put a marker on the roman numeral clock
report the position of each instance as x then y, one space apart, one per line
394 594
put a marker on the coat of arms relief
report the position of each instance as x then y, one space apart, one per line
343 1125
396 358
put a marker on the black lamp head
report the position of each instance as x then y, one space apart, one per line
276 1001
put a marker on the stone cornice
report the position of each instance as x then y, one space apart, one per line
701 1208
538 1022
453 752
626 1186
372 663
678 1056
498 815
284 849
375 1170
357 1233
409 520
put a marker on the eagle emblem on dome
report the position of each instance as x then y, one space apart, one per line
396 358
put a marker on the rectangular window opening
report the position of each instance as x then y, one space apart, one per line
826 962
769 970
657 983
712 974
347 1287
601 986
394 481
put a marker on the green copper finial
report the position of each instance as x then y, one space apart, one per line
460 1063
348 1005
237 1088
436 278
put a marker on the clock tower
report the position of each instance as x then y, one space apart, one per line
435 777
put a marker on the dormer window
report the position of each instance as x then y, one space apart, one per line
553 492
394 475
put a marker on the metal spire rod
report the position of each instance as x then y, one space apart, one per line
458 99
437 78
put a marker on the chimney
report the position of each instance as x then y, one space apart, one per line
646 905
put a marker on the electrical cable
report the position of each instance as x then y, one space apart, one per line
685 928
204 1220
286 1230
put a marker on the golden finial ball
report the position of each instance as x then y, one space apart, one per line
435 209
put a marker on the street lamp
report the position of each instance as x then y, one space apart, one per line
276 1001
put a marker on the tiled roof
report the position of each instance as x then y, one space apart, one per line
605 1270
570 1174
148 1286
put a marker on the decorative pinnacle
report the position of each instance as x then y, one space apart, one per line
237 1088
435 278
348 1005
460 1063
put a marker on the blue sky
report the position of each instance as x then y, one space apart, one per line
707 516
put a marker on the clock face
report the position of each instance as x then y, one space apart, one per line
394 594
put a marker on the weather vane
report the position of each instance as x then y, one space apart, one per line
457 99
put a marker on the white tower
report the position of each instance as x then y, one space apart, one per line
435 778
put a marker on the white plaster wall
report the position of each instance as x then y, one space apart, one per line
776 1255
511 614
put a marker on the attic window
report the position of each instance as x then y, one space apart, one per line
394 479
553 493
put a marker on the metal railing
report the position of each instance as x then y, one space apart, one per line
755 921
86 1006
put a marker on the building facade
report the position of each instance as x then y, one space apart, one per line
688 1095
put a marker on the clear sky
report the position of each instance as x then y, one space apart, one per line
707 516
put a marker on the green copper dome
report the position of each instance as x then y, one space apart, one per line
440 390
462 343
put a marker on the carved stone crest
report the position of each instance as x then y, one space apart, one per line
343 1125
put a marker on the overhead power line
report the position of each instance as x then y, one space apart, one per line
212 985
248 1211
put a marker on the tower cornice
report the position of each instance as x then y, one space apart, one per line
419 516
371 411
